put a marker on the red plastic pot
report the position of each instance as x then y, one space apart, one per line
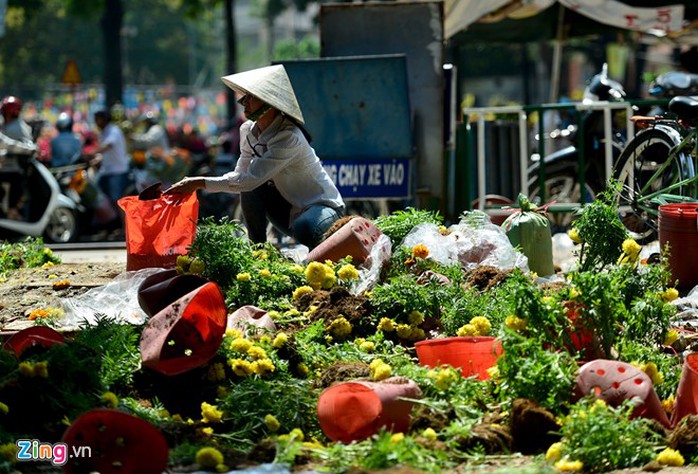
33 336
678 228
473 355
353 411
686 402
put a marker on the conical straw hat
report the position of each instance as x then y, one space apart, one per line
269 84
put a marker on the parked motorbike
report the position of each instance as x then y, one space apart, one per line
46 212
671 84
562 167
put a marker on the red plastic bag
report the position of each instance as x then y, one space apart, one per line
158 230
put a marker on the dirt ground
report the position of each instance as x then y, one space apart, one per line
41 288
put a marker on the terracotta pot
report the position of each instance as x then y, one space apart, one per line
163 288
353 411
187 333
473 355
355 238
614 382
686 402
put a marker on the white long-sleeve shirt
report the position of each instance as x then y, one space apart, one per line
282 154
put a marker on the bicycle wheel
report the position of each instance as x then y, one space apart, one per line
643 172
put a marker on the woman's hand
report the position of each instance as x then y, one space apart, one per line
186 186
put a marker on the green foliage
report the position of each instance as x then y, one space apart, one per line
398 224
402 295
528 370
29 253
602 233
668 365
606 438
292 49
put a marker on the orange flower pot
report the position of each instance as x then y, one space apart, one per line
472 354
686 402
353 411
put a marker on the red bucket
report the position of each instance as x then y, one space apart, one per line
678 227
473 355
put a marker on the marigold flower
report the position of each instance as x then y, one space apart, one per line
554 452
443 378
279 340
272 423
668 404
301 290
420 251
348 272
482 324
26 369
232 332
297 269
417 334
340 327
670 457
381 372
415 318
397 437
110 399
241 345
669 295
257 353
493 372
4 409
429 434
631 248
515 323
573 234
264 273
38 314
568 465
41 369
243 277
404 331
208 431
240 367
210 413
468 330
367 346
297 434
263 366
260 255
672 335
209 457
61 284
216 372
315 274
386 325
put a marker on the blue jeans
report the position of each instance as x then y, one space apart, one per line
265 202
113 185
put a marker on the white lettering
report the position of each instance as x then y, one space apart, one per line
374 175
394 173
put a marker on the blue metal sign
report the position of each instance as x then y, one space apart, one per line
377 178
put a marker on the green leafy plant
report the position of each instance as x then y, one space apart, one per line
604 438
29 253
398 224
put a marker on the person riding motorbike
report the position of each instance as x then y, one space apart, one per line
13 125
66 147
154 138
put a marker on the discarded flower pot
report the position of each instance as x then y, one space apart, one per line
42 336
118 442
353 411
185 334
164 288
686 401
355 239
614 382
246 316
472 354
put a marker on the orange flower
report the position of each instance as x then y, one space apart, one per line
420 251
60 284
38 313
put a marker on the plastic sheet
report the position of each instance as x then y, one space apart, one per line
118 300
370 271
473 242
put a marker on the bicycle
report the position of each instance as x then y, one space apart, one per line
658 166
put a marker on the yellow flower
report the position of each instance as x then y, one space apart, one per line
240 367
417 334
672 335
397 437
415 318
272 423
208 431
234 333
367 346
670 457
263 366
110 399
348 272
210 413
222 468
265 273
340 327
653 373
301 290
243 277
8 452
574 293
420 251
515 323
669 295
567 465
429 434
279 340
297 269
257 353
482 324
467 330
404 331
4 409
554 452
668 404
380 370
41 369
26 369
573 234
241 345
209 457
38 314
386 325
302 369
631 248
260 255
216 372
315 274
493 372
443 378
